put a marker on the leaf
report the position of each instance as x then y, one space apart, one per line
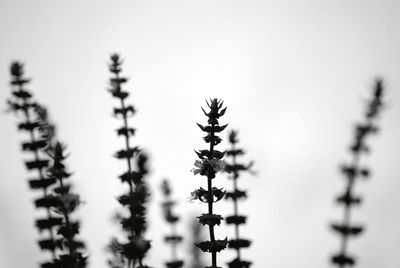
219 155
126 131
124 111
119 80
62 189
34 146
238 263
48 201
203 195
119 94
236 220
358 147
218 194
48 223
232 136
210 219
166 188
136 248
219 128
134 201
134 223
133 176
21 94
69 231
175 239
41 183
48 265
37 164
343 260
349 171
16 69
212 139
348 199
127 154
48 244
209 246
28 126
239 243
365 172
236 195
347 230
174 264
222 112
203 128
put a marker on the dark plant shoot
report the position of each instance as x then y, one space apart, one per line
353 171
131 252
22 104
209 164
64 202
235 168
172 219
57 199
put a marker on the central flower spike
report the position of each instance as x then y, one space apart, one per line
209 164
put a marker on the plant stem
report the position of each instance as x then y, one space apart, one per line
235 201
210 202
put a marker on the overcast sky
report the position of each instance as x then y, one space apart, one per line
294 75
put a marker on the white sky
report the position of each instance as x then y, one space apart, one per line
293 75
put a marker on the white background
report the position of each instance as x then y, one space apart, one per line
294 75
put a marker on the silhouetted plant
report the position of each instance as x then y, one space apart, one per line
173 239
135 248
236 169
64 202
22 103
209 164
353 171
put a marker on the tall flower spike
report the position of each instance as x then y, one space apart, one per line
65 203
173 239
235 169
353 171
22 103
133 250
209 164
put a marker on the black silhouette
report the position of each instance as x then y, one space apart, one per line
236 169
133 251
173 239
209 164
64 202
22 103
354 171
48 160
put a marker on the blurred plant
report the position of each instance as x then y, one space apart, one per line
48 157
173 239
209 164
196 258
132 252
353 171
64 202
22 103
235 169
